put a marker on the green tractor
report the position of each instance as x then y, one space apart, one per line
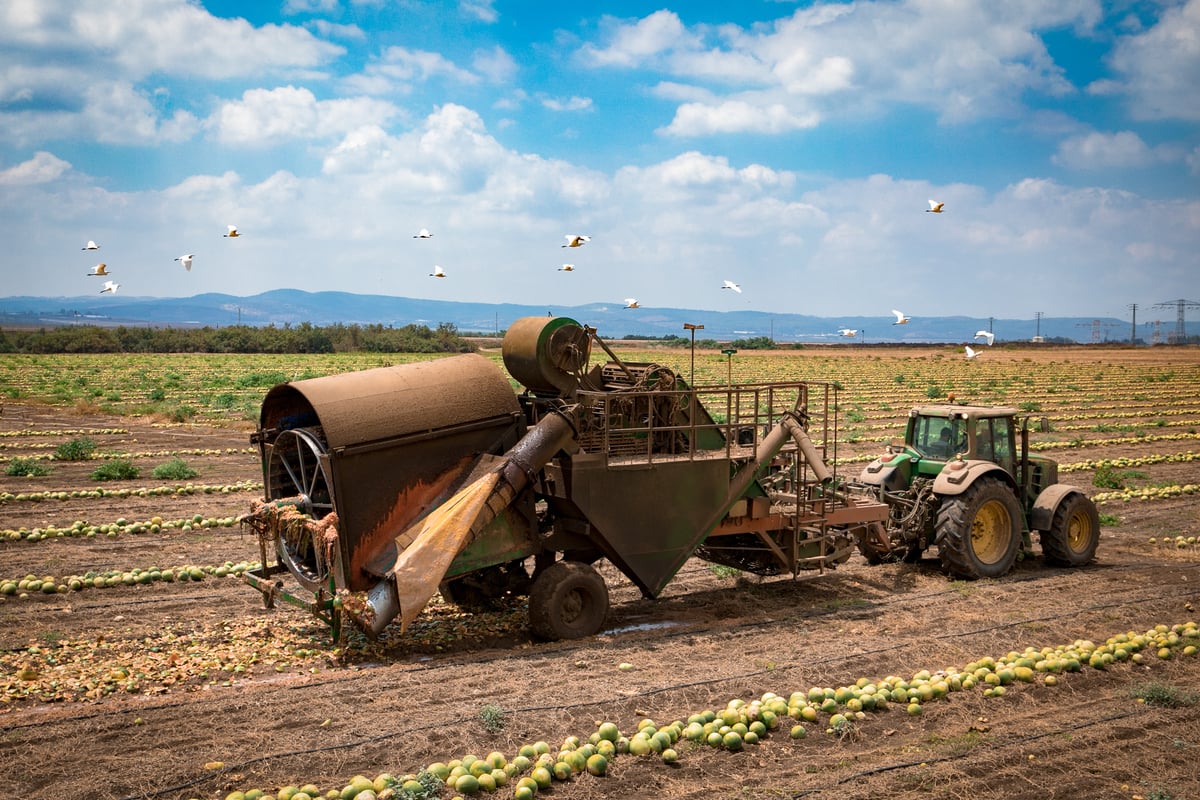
964 480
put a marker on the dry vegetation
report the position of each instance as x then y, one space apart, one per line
187 687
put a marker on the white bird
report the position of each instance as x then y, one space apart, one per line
576 240
99 269
901 319
186 261
631 302
847 332
732 285
567 268
110 286
437 272
233 232
91 246
934 207
971 353
991 337
423 234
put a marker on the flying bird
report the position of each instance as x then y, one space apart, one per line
934 207
631 302
233 232
847 332
576 240
91 246
991 337
110 286
901 319
423 234
732 285
186 261
437 272
971 353
99 269
567 268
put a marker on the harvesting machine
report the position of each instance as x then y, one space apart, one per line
387 485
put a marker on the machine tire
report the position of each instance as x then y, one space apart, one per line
569 600
1074 533
979 531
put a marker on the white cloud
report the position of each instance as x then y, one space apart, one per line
633 44
397 68
481 10
309 6
965 61
1158 68
42 168
496 65
1097 150
570 104
737 116
333 30
267 116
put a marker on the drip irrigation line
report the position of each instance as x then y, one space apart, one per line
926 761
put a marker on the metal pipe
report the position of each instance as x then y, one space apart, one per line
434 541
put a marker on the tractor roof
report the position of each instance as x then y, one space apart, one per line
964 411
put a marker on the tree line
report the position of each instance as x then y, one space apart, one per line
302 338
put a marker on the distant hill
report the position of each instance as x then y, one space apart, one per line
292 306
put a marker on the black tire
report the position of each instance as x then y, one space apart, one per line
1074 533
979 531
569 600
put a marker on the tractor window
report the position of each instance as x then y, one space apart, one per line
993 441
936 436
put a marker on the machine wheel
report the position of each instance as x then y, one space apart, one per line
1074 533
569 600
979 531
295 470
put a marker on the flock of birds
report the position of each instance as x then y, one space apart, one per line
110 287
573 240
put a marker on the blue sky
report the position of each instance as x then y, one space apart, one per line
791 147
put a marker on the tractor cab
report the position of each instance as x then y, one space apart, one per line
939 433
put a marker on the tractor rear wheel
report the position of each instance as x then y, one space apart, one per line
569 600
1074 533
979 531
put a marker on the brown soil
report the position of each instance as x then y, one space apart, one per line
326 715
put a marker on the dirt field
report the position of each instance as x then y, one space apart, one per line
140 690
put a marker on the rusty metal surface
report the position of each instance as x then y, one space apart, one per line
546 354
384 403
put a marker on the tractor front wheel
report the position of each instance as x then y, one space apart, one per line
1074 533
979 531
569 600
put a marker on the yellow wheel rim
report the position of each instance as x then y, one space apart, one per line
991 531
1079 532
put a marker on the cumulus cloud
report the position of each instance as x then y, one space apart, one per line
42 168
570 104
1098 150
480 10
495 65
964 61
1157 69
267 116
397 68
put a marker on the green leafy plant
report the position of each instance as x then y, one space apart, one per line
26 467
1154 693
492 717
722 571
174 470
118 469
80 448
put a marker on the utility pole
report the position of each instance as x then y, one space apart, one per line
1133 328
1037 337
687 326
729 351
